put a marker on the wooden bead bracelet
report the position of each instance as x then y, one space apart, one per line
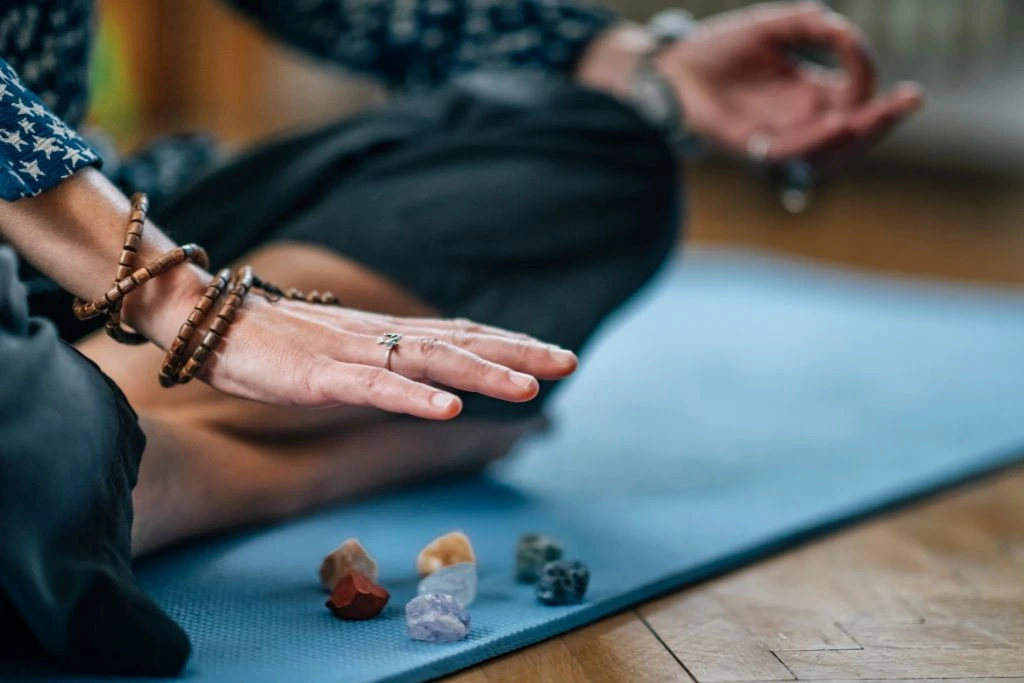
136 222
175 369
176 355
84 310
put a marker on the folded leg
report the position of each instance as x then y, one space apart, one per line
69 456
535 207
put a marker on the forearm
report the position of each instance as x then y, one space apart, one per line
610 60
73 233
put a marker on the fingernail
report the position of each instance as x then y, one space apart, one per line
443 401
910 88
520 379
560 354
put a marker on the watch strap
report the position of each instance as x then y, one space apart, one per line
653 95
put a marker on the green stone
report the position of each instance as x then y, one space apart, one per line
533 552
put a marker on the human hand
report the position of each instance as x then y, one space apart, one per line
283 352
293 353
742 90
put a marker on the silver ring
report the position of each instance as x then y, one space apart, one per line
758 145
390 340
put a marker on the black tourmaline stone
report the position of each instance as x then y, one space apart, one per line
563 583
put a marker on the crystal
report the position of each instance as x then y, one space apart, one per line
350 556
456 580
445 550
533 552
436 618
356 597
563 583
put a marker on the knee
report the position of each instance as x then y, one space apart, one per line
66 427
616 165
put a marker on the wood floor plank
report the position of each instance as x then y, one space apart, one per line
624 649
775 611
711 644
1012 679
548 662
621 648
895 663
974 552
865 573
474 675
937 634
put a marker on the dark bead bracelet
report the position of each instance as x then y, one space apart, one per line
175 369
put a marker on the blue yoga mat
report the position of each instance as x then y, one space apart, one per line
740 405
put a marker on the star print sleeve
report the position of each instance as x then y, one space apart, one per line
37 150
418 44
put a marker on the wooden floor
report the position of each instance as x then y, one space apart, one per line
935 591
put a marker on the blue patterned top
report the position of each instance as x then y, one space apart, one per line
410 44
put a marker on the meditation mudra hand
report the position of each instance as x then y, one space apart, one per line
741 89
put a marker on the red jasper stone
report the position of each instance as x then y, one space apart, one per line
356 597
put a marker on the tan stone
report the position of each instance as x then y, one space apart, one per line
348 557
443 551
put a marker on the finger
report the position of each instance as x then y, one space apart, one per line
375 321
460 326
828 130
873 123
527 355
813 23
334 383
514 350
829 86
854 58
886 111
432 359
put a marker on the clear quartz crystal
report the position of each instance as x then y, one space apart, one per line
456 580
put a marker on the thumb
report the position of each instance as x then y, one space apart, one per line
811 23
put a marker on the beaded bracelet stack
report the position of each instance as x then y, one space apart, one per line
179 365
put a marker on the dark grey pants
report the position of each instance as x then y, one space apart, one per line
533 206
69 455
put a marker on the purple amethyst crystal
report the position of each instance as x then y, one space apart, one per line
436 618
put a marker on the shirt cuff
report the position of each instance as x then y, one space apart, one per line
37 149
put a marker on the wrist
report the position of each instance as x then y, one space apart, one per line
158 308
74 232
675 64
611 60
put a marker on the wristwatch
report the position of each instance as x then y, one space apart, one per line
652 94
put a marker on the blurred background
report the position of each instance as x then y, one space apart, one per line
944 198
